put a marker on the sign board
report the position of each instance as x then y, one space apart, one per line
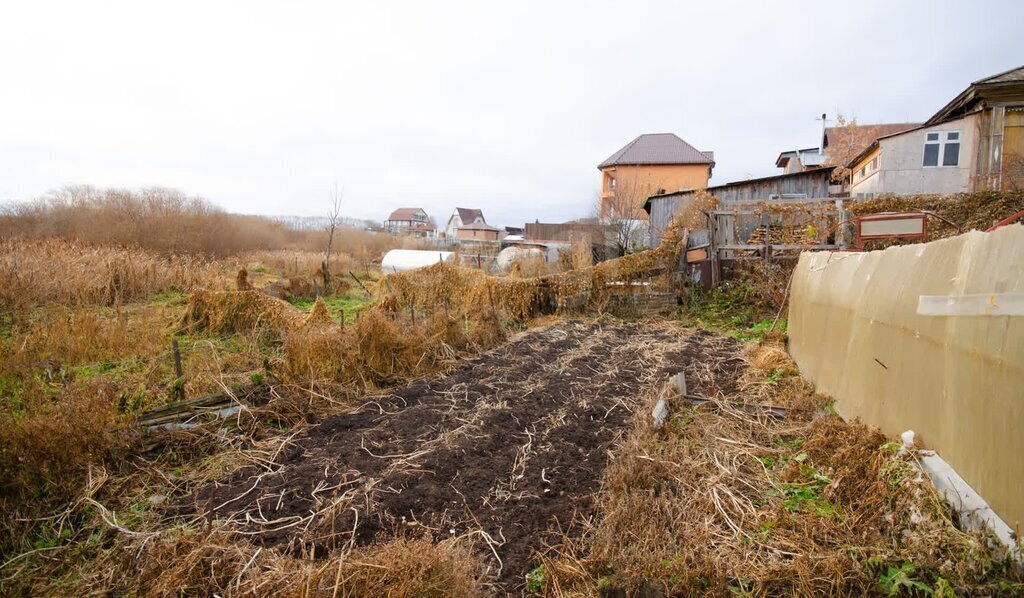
696 255
892 225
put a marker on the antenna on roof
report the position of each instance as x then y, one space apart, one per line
821 142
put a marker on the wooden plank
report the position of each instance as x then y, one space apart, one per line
696 255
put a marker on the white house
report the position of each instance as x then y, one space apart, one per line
974 142
411 221
462 217
930 159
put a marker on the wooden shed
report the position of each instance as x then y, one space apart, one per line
808 184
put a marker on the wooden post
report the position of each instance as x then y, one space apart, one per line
177 358
766 221
341 316
179 382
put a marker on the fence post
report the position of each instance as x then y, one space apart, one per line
179 382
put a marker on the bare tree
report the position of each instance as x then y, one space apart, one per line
624 213
847 141
333 218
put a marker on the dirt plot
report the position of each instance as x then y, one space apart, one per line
507 449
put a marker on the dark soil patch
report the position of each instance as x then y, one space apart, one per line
506 449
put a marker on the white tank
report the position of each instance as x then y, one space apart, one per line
402 260
511 255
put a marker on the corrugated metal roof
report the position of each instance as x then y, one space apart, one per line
816 172
658 148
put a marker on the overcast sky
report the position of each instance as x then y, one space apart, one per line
505 106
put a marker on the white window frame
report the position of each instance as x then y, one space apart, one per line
942 142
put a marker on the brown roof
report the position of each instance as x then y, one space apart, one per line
1011 76
881 130
1007 86
468 215
658 148
404 213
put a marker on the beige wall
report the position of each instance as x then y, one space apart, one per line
634 184
901 169
958 381
479 235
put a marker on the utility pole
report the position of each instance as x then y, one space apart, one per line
821 140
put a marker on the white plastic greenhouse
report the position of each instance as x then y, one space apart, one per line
402 260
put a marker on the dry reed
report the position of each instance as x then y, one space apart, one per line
53 271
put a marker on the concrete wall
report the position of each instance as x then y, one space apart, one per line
901 169
958 381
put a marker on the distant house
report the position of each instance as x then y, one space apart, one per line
409 221
838 145
479 231
800 160
463 217
651 163
974 142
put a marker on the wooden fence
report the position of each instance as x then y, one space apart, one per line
763 230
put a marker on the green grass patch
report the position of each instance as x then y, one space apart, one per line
351 302
733 309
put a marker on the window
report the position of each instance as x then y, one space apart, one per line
874 164
942 143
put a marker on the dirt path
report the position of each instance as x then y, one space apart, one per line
506 449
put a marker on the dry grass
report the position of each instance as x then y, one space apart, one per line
211 562
969 211
67 273
724 501
448 287
297 262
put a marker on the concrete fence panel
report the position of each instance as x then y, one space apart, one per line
928 338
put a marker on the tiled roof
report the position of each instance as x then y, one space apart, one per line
468 215
658 148
404 213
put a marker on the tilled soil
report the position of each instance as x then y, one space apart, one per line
508 449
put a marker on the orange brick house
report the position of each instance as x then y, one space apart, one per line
650 164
